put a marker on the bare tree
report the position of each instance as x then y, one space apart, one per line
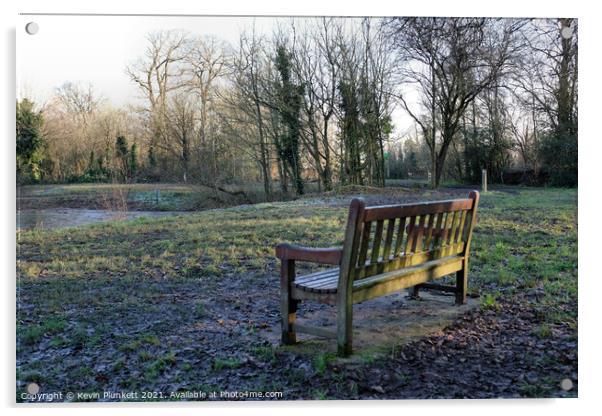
81 101
157 74
181 122
245 102
456 59
205 59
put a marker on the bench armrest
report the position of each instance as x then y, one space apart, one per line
313 255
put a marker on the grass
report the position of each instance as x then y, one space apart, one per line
225 363
156 197
321 362
143 301
144 196
489 301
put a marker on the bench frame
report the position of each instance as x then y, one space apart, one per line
375 277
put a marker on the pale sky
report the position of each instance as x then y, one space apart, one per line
97 49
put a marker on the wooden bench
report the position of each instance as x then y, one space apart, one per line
386 249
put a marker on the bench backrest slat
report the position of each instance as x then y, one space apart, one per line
408 210
396 236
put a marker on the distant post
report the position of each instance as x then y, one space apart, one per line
484 180
157 196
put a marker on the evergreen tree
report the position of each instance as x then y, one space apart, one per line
29 141
290 96
121 151
134 160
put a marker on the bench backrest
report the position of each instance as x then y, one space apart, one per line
386 238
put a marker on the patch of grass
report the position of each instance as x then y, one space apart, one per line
157 366
119 364
139 342
543 331
58 342
489 301
322 360
54 325
368 357
150 339
79 337
31 335
32 377
200 310
541 388
265 353
82 371
225 363
320 394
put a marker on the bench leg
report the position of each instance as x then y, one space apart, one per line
462 284
415 292
344 328
288 306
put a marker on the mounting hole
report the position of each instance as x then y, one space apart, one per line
566 32
32 28
33 388
566 384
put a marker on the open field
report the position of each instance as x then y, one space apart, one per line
138 196
180 304
143 196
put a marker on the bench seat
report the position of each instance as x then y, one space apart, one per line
326 281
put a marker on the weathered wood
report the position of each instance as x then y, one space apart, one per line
412 210
389 239
400 233
313 255
406 260
288 305
415 292
363 255
439 232
429 232
378 236
345 287
435 286
411 235
417 245
460 233
474 196
445 230
462 275
329 298
386 283
315 330
454 227
436 243
317 277
462 283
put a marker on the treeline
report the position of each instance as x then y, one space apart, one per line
496 94
315 101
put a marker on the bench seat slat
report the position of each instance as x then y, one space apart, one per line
324 281
317 276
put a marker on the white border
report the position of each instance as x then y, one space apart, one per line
589 231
